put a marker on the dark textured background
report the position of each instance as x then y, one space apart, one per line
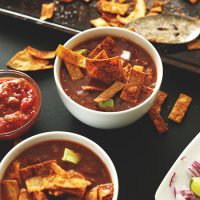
141 156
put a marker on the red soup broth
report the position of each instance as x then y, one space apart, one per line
86 98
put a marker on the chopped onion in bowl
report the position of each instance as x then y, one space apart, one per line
183 193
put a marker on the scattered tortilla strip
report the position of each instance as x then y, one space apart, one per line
10 189
98 22
194 45
133 86
39 196
159 101
41 169
74 71
112 7
70 56
47 11
14 173
101 55
139 11
105 70
158 121
107 45
23 61
41 54
110 92
24 195
92 88
101 192
193 1
180 108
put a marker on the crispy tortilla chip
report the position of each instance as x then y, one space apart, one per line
139 11
133 86
92 194
194 45
157 9
158 121
24 195
105 70
92 88
159 101
101 55
145 93
14 173
107 45
10 189
180 108
99 22
47 11
193 1
39 196
41 54
70 56
112 7
110 92
23 61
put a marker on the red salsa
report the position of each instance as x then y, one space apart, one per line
19 103
130 55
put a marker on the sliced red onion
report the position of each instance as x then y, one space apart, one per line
183 193
194 169
172 179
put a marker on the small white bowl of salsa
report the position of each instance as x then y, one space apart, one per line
112 59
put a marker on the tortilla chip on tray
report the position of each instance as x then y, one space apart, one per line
47 11
41 54
70 56
112 7
24 195
194 45
107 45
110 92
105 70
23 61
180 107
132 88
99 22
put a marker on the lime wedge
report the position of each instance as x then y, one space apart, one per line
195 185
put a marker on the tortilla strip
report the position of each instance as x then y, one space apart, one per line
70 56
133 86
92 194
158 121
47 11
139 11
110 92
24 195
23 61
193 1
180 108
148 76
194 45
159 101
107 44
101 55
10 189
74 71
41 54
99 22
39 196
147 91
14 173
105 70
112 7
41 169
92 88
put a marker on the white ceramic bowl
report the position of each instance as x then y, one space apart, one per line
64 136
109 120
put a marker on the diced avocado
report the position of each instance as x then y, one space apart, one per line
106 104
82 51
195 185
71 156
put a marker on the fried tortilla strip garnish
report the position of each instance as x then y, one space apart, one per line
24 195
110 92
105 70
101 192
193 1
133 86
158 121
112 7
38 195
47 11
101 55
92 88
107 45
14 173
99 22
70 56
41 54
194 45
180 108
23 61
139 11
10 189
